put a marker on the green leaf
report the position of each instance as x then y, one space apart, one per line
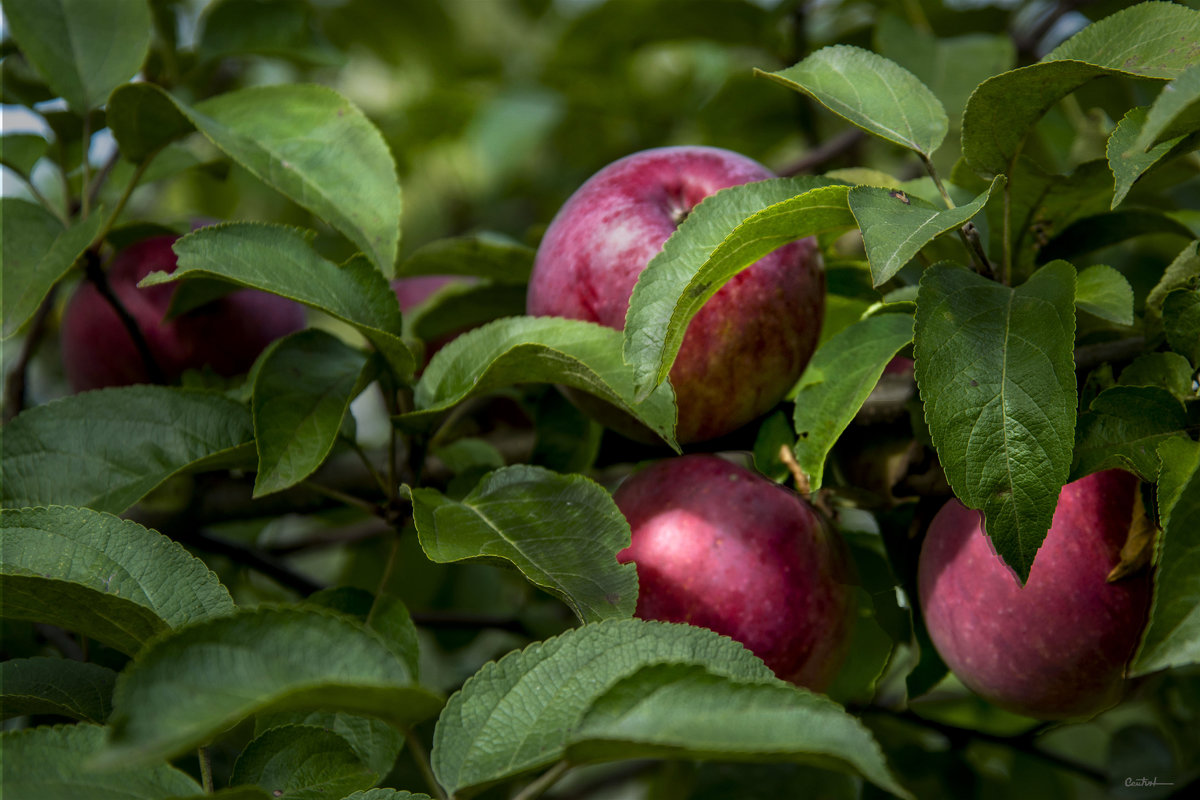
102 576
838 380
280 260
1098 231
301 762
567 439
1174 113
52 763
144 119
1123 427
385 794
385 615
282 28
1181 323
59 686
108 449
1003 109
374 741
1127 162
686 712
460 306
562 531
872 92
21 151
302 390
83 48
521 350
895 226
1101 290
1172 636
996 371
727 232
238 793
483 255
774 434
37 260
1182 273
187 687
1169 371
516 714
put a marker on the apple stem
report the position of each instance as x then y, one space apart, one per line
100 280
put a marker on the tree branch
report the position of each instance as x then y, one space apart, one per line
100 280
14 386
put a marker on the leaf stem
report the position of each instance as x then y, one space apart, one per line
1006 272
41 198
543 782
967 232
116 212
371 469
86 144
388 569
342 497
99 279
14 385
102 176
206 777
417 748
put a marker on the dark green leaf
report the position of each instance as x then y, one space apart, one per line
567 439
374 741
302 391
144 119
872 92
1181 323
59 686
385 794
83 48
1172 637
482 255
463 455
516 714
107 449
1103 291
1169 371
282 28
1126 161
302 762
836 382
188 687
562 531
20 151
1096 232
685 711
1123 428
238 793
1174 113
385 615
460 306
102 576
996 372
1182 273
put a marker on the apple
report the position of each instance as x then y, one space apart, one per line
749 343
226 334
720 547
1057 647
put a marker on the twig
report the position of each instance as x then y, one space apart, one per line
609 780
96 275
967 231
828 151
62 640
343 497
358 532
102 177
248 557
543 782
1090 355
14 387
417 748
206 776
452 620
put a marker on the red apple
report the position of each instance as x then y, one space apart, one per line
749 343
1057 647
720 547
226 334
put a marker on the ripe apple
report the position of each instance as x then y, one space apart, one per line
226 334
749 343
720 547
1057 647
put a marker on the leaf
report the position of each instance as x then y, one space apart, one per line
567 439
187 687
1172 636
1181 323
1128 163
895 226
108 449
774 435
1002 110
482 255
521 350
459 306
1174 113
280 260
562 531
686 712
996 372
1098 231
385 794
238 793
1183 272
301 762
871 92
302 391
727 232
58 686
102 576
83 48
21 151
1101 290
385 615
1123 427
281 28
37 262
516 714
1139 543
374 741
1170 371
52 763
144 119
838 380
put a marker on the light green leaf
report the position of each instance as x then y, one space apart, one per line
483 255
106 450
1174 113
1123 428
102 576
144 119
21 151
302 390
301 762
1126 161
520 350
727 232
516 714
52 763
1169 371
686 712
61 686
374 741
1101 290
1172 636
895 226
872 92
562 531
83 48
1181 323
838 380
280 260
187 687
774 434
996 372
33 261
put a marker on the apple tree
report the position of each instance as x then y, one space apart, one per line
309 490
